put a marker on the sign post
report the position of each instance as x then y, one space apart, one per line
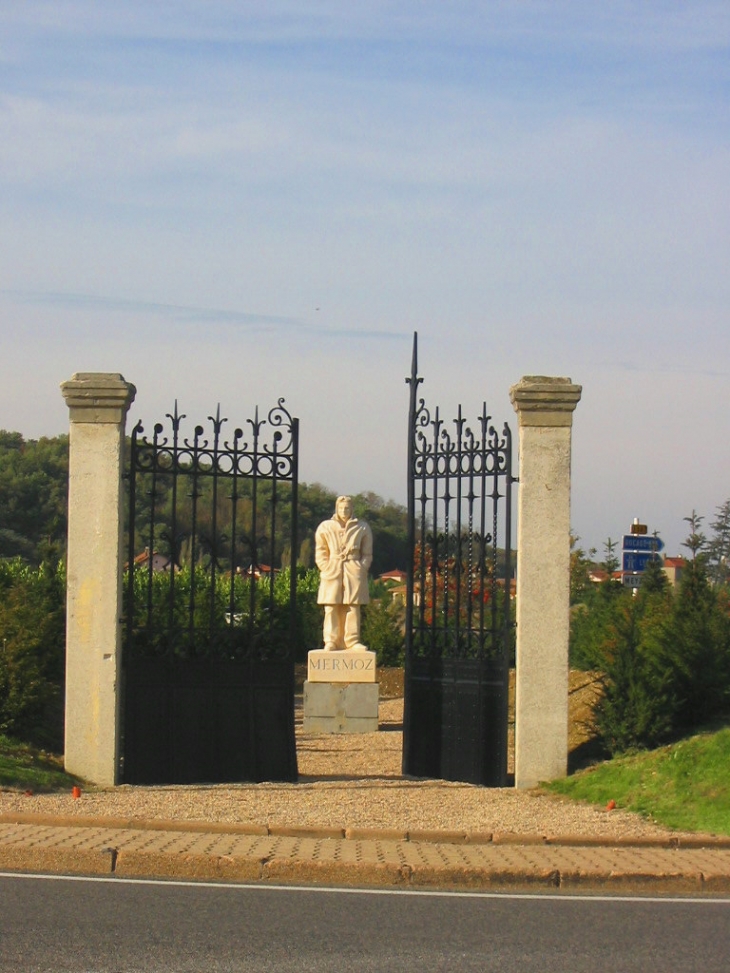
638 549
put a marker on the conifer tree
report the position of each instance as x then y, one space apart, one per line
718 549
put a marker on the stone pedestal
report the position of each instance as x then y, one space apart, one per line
341 694
340 707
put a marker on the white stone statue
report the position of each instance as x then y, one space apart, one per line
343 553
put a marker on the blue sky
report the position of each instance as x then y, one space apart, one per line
232 202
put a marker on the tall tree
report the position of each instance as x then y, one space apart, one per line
611 560
696 540
718 548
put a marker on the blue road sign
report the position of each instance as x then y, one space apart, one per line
636 560
642 542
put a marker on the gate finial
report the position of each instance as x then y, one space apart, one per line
414 379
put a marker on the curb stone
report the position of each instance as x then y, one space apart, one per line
384 858
351 834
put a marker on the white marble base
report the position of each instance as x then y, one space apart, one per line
349 665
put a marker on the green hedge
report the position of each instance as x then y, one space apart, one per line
32 646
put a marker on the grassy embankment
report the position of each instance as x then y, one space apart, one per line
23 767
685 785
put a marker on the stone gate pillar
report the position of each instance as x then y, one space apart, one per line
98 404
544 408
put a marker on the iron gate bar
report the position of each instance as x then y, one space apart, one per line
233 497
253 546
176 418
217 423
193 531
457 652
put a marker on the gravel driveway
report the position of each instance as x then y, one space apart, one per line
350 781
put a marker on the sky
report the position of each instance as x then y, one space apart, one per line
232 202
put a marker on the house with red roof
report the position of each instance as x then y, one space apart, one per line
673 568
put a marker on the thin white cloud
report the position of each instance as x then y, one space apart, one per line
181 314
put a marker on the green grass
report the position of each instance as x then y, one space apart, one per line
26 768
684 786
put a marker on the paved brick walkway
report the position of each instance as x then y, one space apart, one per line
360 857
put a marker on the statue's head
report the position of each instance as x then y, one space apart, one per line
343 508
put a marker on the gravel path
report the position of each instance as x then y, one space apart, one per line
350 781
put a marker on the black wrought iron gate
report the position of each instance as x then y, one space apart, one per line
210 628
458 620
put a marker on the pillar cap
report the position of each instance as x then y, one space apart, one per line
543 400
98 396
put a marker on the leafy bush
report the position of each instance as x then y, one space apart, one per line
382 630
32 638
309 613
188 614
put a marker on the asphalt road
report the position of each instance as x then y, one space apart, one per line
110 926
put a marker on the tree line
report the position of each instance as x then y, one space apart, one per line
33 509
33 497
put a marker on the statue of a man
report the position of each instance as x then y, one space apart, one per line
343 553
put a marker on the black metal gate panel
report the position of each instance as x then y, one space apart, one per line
459 627
210 627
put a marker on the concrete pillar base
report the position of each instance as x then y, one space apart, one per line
340 708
